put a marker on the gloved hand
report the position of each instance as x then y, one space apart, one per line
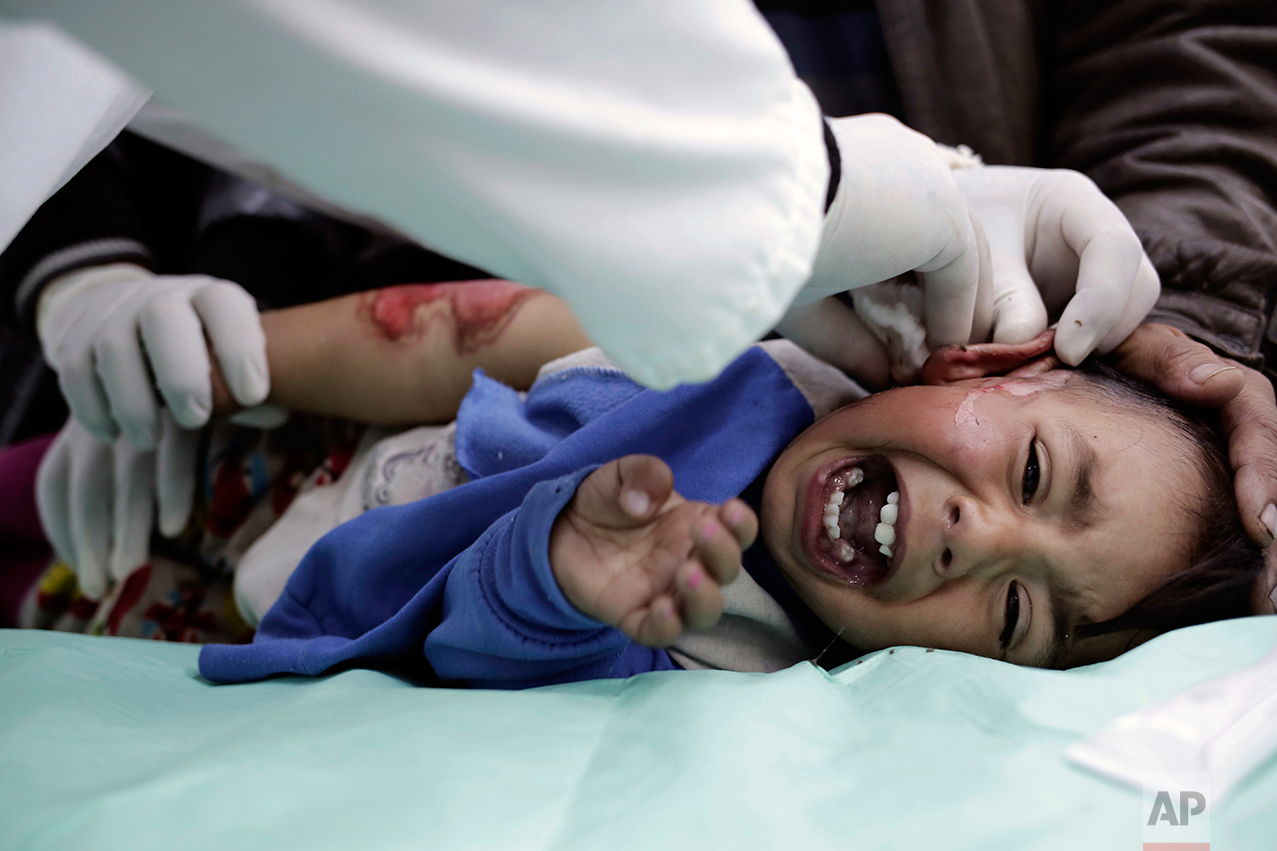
1056 240
97 500
106 330
898 209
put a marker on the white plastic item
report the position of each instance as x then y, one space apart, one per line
1224 727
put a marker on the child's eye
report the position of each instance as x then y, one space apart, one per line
1012 615
1031 473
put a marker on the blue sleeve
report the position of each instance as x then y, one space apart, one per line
506 624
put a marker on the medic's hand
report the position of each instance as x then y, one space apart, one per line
107 330
1186 370
898 209
632 553
97 500
1055 239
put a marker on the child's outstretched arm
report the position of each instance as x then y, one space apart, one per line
404 355
632 553
588 568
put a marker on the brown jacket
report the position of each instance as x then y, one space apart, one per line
1170 107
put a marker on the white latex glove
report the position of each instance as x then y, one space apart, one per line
97 500
1056 240
898 209
107 330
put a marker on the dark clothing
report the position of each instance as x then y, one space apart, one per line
134 202
1171 108
838 50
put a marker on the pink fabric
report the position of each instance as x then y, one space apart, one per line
19 520
24 551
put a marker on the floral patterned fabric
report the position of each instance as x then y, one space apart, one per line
248 479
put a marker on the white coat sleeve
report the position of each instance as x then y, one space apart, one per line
656 163
60 105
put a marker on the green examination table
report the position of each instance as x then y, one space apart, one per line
109 743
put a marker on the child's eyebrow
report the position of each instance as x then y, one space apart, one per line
1079 511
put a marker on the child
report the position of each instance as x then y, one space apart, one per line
1050 518
1035 519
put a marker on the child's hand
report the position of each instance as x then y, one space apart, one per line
632 553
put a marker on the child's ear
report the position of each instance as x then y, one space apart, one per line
1018 360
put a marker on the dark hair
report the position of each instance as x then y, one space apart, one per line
1224 563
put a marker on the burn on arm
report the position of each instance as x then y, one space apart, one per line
405 355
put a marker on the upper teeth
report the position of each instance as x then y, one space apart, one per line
884 532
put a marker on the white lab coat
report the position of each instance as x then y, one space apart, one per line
60 104
656 163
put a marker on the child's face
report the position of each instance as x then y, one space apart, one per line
1025 507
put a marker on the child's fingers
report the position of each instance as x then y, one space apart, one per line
625 493
645 483
716 549
700 596
658 625
740 521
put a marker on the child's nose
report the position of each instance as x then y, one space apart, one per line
975 536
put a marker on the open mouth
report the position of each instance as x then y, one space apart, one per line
857 521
